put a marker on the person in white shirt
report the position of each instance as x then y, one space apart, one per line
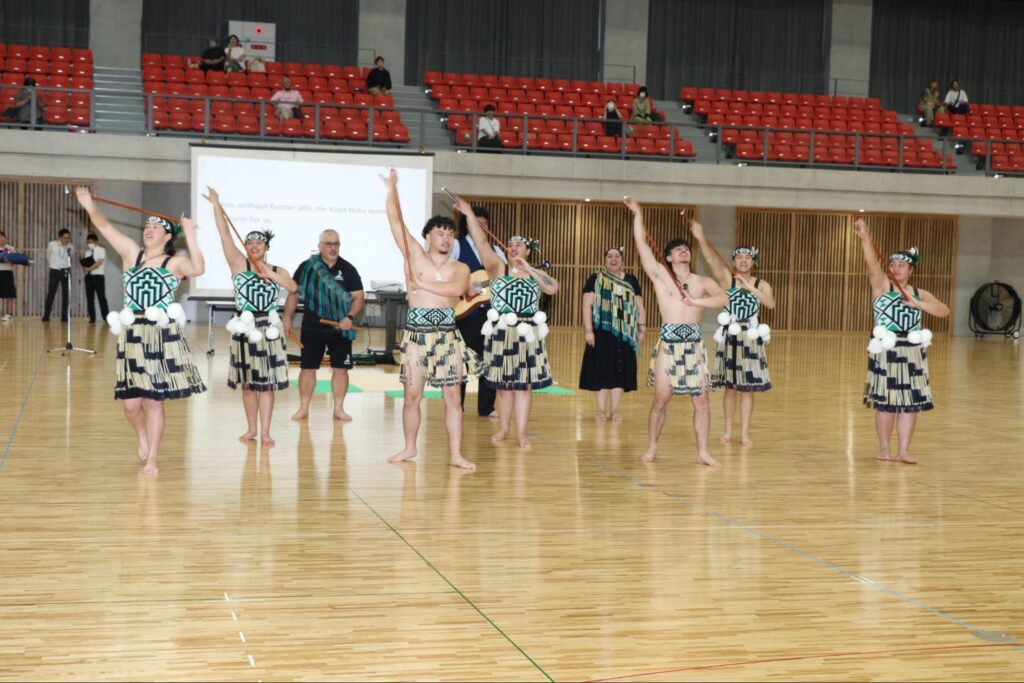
95 283
489 129
234 55
956 99
58 257
8 292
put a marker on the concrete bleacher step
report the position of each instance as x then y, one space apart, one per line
434 136
119 105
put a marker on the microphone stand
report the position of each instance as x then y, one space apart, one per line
68 346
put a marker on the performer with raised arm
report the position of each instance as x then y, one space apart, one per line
154 363
615 322
258 364
679 365
897 386
433 351
740 362
515 362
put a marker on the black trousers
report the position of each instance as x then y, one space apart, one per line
96 285
470 328
58 276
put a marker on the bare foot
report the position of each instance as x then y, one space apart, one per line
600 417
885 457
706 459
499 436
342 415
150 469
248 436
301 414
651 454
746 442
266 440
524 442
461 463
143 451
616 417
908 459
402 456
726 438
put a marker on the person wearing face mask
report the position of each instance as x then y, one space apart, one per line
213 56
58 257
94 265
642 111
258 364
614 320
612 119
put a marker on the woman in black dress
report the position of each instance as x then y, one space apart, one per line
614 319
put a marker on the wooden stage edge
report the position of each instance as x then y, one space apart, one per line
802 558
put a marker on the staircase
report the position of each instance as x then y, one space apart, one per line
433 136
703 146
118 105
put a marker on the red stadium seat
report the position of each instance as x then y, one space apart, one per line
55 116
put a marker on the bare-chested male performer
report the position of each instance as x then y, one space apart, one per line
433 351
679 364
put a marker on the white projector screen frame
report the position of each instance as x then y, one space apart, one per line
299 193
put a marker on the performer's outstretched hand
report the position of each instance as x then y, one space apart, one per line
390 178
212 196
84 197
188 225
461 205
860 228
631 205
697 230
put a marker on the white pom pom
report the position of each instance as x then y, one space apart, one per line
878 332
889 342
542 331
764 331
115 329
113 318
752 333
510 319
723 318
163 320
914 336
176 312
127 316
540 317
720 335
875 346
753 321
254 336
734 329
272 332
232 325
522 329
492 315
529 336
488 329
273 318
926 336
766 338
152 314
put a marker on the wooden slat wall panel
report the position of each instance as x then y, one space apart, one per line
31 214
574 237
816 265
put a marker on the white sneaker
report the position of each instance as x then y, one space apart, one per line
7 317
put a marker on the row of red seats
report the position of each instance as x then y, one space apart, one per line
38 66
844 155
691 95
589 144
1007 163
987 121
42 52
14 79
195 76
1012 149
528 108
787 122
707 107
432 79
80 117
151 60
73 98
945 119
559 126
1003 134
227 124
778 137
221 90
496 94
233 108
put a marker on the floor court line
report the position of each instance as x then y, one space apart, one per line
21 412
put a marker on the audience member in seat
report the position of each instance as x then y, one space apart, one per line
956 99
258 66
213 56
930 103
642 107
489 129
234 55
22 109
612 119
378 81
288 101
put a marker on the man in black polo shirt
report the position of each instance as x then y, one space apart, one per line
212 57
331 290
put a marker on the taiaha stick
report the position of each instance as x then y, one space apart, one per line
405 233
497 241
728 266
122 205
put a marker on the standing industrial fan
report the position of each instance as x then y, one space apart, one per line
995 309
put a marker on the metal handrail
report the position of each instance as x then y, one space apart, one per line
36 111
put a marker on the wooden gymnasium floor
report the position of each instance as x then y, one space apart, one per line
802 558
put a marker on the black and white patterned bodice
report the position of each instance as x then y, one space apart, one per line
253 294
148 287
515 295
